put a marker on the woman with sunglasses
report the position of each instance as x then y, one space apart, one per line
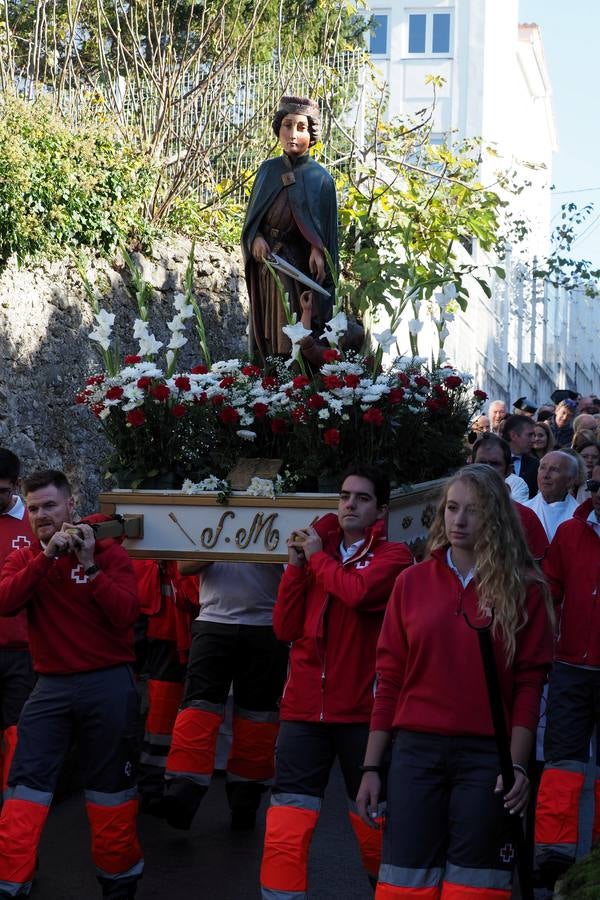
448 828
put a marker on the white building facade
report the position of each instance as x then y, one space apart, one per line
529 337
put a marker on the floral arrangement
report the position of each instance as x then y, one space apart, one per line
195 425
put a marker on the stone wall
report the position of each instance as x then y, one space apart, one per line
45 354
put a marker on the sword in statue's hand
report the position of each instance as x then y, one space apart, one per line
286 268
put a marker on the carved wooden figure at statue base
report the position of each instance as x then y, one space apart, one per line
292 212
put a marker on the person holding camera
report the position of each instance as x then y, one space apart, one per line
81 602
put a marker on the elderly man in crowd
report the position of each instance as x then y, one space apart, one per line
554 503
497 413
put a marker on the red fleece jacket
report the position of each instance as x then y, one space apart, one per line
332 612
572 567
75 625
429 672
14 533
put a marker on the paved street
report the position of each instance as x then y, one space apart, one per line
208 863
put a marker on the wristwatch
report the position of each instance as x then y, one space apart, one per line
91 570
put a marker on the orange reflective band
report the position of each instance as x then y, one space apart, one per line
466 892
194 740
557 810
9 745
369 842
596 825
164 698
288 835
253 749
392 892
115 845
21 825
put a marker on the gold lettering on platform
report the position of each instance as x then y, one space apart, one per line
210 536
245 536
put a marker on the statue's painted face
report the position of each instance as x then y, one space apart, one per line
294 135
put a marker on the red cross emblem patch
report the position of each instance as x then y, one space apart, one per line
78 575
20 541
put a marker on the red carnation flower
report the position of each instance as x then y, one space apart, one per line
228 415
332 382
331 355
403 379
452 381
227 381
178 410
316 401
143 382
434 405
114 393
480 395
217 399
200 369
260 410
331 437
160 392
269 383
299 414
300 381
132 360
183 383
200 398
97 408
135 418
420 381
95 379
251 371
396 395
352 381
81 397
278 426
373 416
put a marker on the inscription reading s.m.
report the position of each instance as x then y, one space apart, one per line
261 525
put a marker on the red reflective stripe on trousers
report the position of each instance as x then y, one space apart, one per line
392 892
369 842
285 856
253 749
463 892
9 745
21 825
557 809
193 743
596 825
115 845
164 698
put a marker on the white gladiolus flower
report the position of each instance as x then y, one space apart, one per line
140 328
335 328
149 346
448 316
444 333
414 326
295 333
100 337
105 319
102 332
385 340
185 310
177 340
176 324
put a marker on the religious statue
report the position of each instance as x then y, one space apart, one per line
292 212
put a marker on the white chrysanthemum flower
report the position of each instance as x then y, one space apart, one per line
246 435
324 413
261 487
226 367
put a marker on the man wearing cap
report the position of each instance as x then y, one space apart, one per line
572 567
524 407
292 212
519 431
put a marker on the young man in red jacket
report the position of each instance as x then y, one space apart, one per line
330 607
572 567
81 602
16 674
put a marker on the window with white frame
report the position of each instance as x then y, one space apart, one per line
430 32
379 34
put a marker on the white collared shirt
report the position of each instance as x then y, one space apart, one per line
594 521
347 552
17 510
464 579
551 515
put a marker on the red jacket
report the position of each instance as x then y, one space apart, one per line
429 671
75 625
535 533
332 612
572 567
170 600
14 533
